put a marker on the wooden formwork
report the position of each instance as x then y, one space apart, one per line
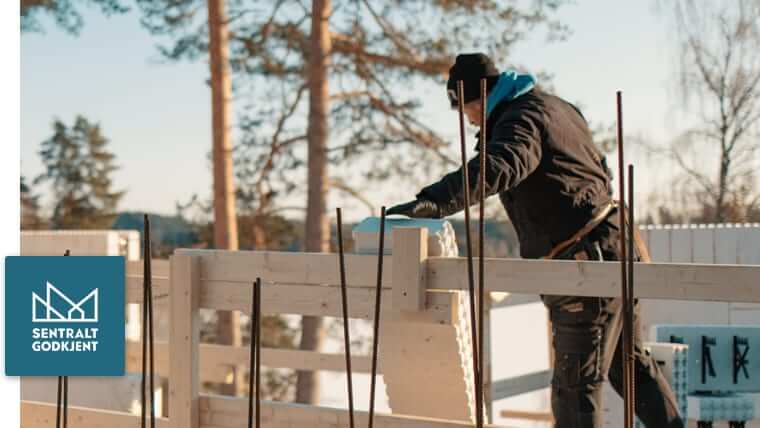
420 291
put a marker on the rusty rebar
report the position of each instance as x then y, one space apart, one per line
344 304
631 357
254 362
65 401
481 260
470 275
628 417
378 299
251 356
147 331
62 398
258 352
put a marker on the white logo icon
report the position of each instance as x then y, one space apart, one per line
44 310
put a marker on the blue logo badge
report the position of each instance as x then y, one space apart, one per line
64 316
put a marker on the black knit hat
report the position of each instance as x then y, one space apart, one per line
470 68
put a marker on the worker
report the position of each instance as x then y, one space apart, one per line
553 182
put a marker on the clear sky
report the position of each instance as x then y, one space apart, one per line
157 115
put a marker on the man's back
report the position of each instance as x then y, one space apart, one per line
569 184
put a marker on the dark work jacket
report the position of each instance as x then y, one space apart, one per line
543 164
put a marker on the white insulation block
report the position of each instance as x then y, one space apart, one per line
442 240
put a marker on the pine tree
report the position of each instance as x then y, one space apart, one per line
30 208
79 168
64 12
362 64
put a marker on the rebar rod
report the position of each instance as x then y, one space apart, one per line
346 333
481 260
62 398
65 401
631 357
470 276
58 403
376 335
257 289
148 341
627 417
252 356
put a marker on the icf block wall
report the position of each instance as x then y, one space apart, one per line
704 244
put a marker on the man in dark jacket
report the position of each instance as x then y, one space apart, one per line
552 181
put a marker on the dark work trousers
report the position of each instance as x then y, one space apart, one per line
587 342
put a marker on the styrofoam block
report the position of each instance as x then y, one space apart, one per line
730 407
441 237
721 355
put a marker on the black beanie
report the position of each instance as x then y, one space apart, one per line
470 68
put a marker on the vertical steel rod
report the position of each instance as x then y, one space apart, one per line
481 250
147 332
257 287
470 276
631 357
376 336
346 333
58 403
62 399
628 418
252 356
144 338
65 401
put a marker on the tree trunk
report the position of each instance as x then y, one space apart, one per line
317 229
225 220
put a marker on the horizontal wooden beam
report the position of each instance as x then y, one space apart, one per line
289 267
42 415
527 415
134 280
517 385
279 298
134 285
726 283
159 268
216 360
229 412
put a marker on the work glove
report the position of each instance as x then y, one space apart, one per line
418 208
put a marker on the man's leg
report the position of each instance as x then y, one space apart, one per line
577 377
656 404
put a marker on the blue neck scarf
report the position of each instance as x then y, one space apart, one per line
510 85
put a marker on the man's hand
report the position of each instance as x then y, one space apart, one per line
418 208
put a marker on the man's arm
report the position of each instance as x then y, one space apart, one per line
513 152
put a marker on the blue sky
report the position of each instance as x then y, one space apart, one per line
157 115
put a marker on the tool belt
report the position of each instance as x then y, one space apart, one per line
603 214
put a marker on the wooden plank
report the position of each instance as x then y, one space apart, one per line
528 415
409 269
215 360
159 268
134 286
278 298
42 415
517 385
184 338
724 283
229 412
289 267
